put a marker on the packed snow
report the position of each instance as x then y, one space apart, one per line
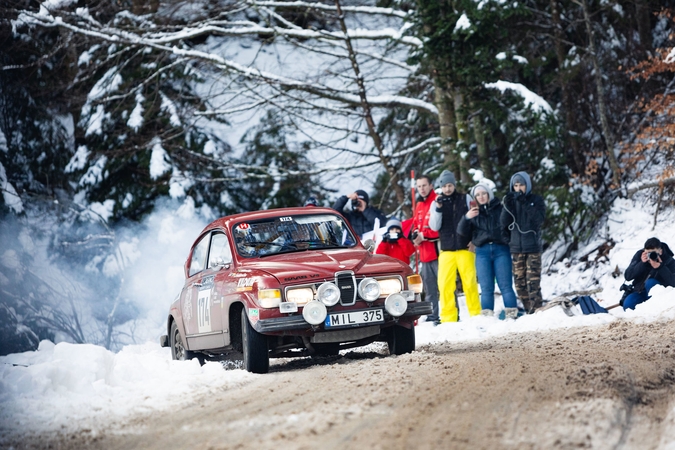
62 386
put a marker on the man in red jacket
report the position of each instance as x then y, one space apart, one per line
425 239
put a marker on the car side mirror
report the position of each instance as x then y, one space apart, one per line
369 244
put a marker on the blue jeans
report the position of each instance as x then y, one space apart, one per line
636 298
494 261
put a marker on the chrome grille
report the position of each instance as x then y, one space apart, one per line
346 282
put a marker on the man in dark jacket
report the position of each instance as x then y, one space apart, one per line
362 216
523 215
650 266
446 212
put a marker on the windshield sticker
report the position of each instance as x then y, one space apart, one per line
285 219
243 226
253 315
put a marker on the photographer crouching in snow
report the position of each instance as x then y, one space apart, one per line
651 266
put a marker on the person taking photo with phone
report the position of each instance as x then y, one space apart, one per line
523 214
455 256
650 266
482 224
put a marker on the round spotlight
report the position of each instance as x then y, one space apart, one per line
328 294
314 312
395 305
369 289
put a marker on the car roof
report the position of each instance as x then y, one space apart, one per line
227 221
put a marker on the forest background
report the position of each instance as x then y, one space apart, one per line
113 111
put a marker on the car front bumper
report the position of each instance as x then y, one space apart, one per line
289 323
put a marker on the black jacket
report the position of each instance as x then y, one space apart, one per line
639 271
446 218
486 227
362 222
523 215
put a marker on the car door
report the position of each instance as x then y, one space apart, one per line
201 303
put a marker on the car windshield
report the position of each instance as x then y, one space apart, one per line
285 234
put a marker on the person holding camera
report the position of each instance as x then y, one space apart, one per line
455 256
482 224
425 240
362 216
394 244
523 214
650 266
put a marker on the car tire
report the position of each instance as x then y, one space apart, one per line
401 340
178 350
255 348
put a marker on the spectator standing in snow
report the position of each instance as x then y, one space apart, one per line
651 266
425 239
482 224
394 244
446 212
362 216
523 214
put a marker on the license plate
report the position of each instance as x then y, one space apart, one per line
344 319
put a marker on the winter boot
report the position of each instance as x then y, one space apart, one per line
487 313
511 313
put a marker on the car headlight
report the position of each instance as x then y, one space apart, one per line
314 312
301 296
415 283
328 294
396 305
269 298
389 286
369 289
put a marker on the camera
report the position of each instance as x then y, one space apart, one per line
443 198
355 204
654 256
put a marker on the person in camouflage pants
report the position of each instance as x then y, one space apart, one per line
527 277
523 215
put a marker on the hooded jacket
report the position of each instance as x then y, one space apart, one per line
446 218
421 223
486 227
361 222
639 271
523 215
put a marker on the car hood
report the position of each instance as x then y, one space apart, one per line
305 266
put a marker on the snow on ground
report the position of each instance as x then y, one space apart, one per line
63 386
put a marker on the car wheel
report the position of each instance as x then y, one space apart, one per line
401 340
255 348
178 350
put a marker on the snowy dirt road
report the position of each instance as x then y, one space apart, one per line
606 387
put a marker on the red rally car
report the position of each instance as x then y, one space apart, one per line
290 282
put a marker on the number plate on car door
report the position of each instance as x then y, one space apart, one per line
345 319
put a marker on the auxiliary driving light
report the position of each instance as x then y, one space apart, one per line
314 312
369 289
395 305
328 294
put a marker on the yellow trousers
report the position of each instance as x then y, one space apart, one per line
449 263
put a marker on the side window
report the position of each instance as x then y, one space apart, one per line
198 262
220 250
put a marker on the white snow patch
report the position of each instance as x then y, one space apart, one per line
9 194
79 159
463 23
536 102
158 160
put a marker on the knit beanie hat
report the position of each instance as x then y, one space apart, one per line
363 195
445 178
518 179
394 222
482 187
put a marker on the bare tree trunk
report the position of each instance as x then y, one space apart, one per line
481 148
462 148
599 85
394 178
446 122
578 159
